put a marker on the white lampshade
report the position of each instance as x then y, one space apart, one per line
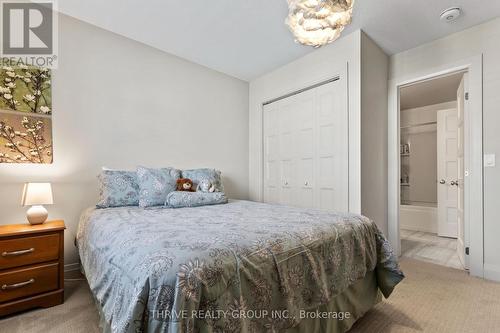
37 194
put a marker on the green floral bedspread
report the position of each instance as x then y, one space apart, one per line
242 266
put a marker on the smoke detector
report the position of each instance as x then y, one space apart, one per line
451 14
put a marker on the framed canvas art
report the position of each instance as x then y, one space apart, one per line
25 115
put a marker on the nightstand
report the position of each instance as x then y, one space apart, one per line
31 266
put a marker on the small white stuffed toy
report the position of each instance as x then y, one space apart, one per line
206 186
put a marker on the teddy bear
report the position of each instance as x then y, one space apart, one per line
185 184
206 185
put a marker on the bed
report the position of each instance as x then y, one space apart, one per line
237 267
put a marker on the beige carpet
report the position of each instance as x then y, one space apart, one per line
436 299
431 299
77 314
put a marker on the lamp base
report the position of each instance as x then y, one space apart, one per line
37 214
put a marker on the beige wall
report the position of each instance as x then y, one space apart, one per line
119 103
374 71
421 168
482 39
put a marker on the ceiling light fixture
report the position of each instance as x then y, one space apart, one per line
318 22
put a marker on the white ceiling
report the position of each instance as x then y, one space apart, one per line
440 90
248 38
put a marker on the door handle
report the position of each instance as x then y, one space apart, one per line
442 181
454 183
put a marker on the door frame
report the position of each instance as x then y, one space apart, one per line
473 196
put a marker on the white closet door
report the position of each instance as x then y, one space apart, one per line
272 172
303 119
306 149
287 165
332 168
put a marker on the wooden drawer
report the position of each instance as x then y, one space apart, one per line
28 281
22 251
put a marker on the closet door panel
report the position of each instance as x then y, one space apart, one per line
288 183
271 154
326 140
306 180
326 188
305 149
286 151
305 143
286 146
297 115
326 198
285 115
306 185
305 111
326 176
332 154
272 186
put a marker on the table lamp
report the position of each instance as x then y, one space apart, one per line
36 195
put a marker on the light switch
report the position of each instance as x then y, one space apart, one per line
489 160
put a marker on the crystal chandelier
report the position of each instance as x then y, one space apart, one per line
318 22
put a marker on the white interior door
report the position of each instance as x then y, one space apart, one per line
447 172
306 149
461 105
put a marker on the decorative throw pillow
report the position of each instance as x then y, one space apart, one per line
118 188
179 199
155 184
205 175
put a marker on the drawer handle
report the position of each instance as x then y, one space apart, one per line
17 285
18 253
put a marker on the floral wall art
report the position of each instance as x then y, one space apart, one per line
25 115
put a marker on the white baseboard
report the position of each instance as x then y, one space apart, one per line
72 267
492 272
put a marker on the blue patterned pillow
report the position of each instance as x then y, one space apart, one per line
155 184
118 188
179 199
211 175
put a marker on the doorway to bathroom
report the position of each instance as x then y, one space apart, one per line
431 213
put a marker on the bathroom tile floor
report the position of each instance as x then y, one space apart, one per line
430 248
